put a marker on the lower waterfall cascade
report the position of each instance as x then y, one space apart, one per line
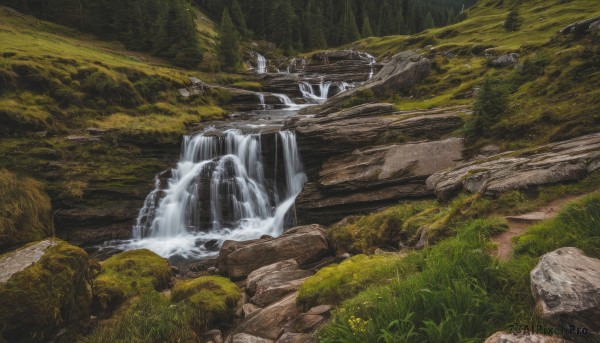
218 191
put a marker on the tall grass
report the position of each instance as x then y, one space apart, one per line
459 296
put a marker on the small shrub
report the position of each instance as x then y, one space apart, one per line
513 21
150 87
491 103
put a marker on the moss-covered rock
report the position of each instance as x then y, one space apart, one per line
44 288
25 210
126 274
210 298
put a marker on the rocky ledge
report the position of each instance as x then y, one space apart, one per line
553 163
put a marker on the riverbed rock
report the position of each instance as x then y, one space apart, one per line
304 244
245 338
44 288
566 286
272 286
503 337
290 337
565 161
366 179
400 74
269 322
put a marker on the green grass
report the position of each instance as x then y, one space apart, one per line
25 210
193 307
459 292
557 100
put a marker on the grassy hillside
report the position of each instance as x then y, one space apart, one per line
92 120
554 91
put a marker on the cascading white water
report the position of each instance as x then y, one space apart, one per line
289 104
261 100
308 90
372 62
261 64
218 191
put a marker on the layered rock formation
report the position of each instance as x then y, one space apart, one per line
368 156
557 162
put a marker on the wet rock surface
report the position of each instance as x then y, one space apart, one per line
304 244
502 337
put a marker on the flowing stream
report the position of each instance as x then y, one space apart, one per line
229 183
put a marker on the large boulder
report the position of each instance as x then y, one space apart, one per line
400 74
44 288
565 161
304 244
503 337
566 286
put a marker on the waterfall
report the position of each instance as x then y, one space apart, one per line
372 62
289 104
219 190
261 100
261 64
308 90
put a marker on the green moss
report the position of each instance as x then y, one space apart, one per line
150 318
249 85
25 210
46 297
126 274
333 284
211 298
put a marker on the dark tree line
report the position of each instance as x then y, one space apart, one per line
313 24
163 27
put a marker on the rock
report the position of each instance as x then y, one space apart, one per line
303 244
212 245
245 338
553 163
370 178
248 309
278 285
320 310
580 27
566 286
306 323
502 337
43 288
214 336
269 322
265 272
289 337
400 74
506 60
329 135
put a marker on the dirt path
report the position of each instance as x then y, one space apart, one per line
519 224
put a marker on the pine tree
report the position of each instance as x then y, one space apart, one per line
366 31
490 104
513 20
283 21
237 17
429 23
229 49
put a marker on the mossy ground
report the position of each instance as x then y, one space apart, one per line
193 307
126 275
553 91
48 296
25 210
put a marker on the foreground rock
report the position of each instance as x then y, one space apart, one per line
304 244
272 282
502 337
566 286
553 163
400 74
44 288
